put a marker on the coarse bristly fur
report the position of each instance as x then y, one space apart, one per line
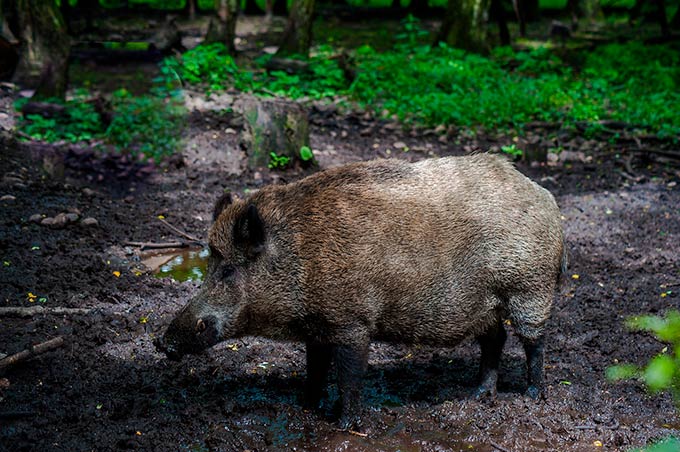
429 252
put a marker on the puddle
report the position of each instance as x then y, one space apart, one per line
180 265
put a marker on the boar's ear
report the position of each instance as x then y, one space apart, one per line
249 231
221 203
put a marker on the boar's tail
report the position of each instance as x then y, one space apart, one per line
564 262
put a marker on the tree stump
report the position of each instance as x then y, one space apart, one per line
274 125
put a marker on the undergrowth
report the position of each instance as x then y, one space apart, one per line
432 85
147 125
420 84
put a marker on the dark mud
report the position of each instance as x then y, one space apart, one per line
108 389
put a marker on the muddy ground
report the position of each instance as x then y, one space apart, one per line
108 389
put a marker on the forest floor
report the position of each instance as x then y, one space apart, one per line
108 389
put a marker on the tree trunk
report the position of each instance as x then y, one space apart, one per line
662 18
417 7
297 37
497 12
44 46
591 9
575 12
675 22
222 28
190 9
464 25
273 125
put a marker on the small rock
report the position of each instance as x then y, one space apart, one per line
4 383
399 145
8 198
49 221
129 199
74 210
89 221
572 156
71 217
89 192
35 218
60 221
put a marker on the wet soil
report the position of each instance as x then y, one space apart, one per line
108 389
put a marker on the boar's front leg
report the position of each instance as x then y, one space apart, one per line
318 362
351 362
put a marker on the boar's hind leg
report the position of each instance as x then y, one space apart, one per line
318 363
528 315
351 362
491 343
533 348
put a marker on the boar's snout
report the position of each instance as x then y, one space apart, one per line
188 336
170 351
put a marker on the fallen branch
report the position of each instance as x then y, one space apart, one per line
30 311
669 154
180 232
499 447
157 246
31 352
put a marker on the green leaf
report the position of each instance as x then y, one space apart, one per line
670 444
306 153
659 372
622 372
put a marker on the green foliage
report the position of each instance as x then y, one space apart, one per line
209 65
433 85
662 373
147 124
277 161
512 150
80 121
306 154
666 445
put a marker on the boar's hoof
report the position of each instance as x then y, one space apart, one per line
350 423
534 392
485 392
311 400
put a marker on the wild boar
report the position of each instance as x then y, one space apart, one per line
429 253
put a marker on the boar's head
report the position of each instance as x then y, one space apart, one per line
220 309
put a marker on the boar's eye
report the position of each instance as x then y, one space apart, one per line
200 326
227 271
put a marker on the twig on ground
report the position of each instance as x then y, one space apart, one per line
628 163
352 432
31 352
180 232
157 246
30 311
499 447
